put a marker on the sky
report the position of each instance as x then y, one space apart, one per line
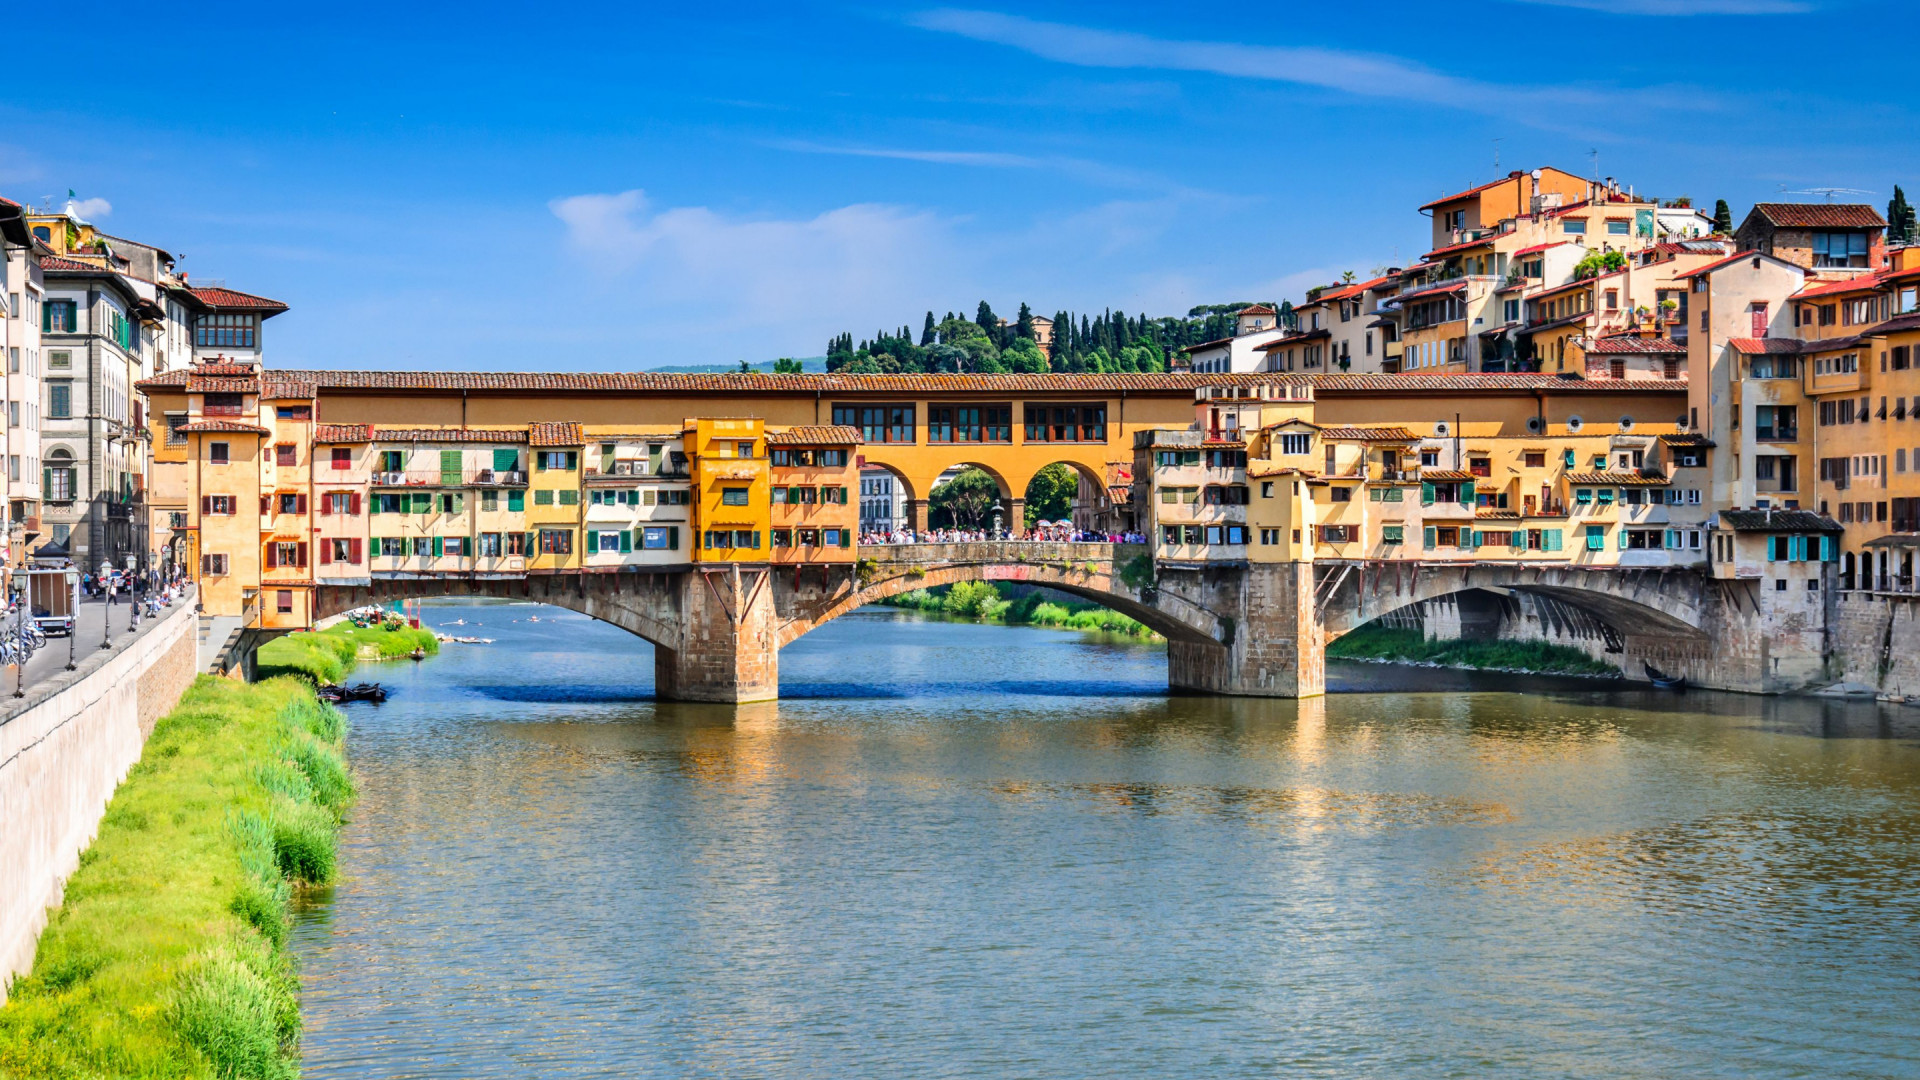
621 187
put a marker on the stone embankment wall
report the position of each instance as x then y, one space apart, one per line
63 750
1876 642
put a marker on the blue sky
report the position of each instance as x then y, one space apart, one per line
582 187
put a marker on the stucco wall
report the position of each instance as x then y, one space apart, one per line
61 758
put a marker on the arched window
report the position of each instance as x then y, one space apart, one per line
59 476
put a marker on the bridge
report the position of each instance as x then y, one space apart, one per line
1256 629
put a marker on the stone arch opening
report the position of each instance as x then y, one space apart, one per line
887 498
1057 491
976 504
644 605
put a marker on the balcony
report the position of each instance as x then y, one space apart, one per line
1769 433
629 471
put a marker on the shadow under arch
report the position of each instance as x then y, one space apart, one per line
640 604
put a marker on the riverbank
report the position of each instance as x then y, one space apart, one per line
326 656
982 601
1402 646
168 956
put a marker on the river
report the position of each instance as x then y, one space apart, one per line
974 851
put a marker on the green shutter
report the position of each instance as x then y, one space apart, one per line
1426 497
1550 540
626 541
449 466
1569 459
505 458
1620 539
517 501
1374 493
1474 537
422 502
1466 493
846 536
573 459
569 497
673 537
438 547
1430 539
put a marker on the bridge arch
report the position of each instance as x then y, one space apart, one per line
1087 571
1634 601
644 605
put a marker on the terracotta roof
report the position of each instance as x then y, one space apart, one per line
215 367
1433 290
1733 258
1847 285
1258 469
1851 341
1897 324
1820 215
1687 439
1370 434
1490 513
1445 474
342 433
1778 521
1765 346
1192 348
561 433
1635 345
278 387
1538 248
55 262
1465 245
197 385
1497 381
485 435
235 300
232 426
1223 442
1472 191
1352 290
817 435
1632 479
1256 309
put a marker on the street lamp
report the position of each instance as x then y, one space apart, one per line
73 600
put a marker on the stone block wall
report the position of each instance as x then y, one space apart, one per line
62 753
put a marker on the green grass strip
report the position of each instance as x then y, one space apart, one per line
983 601
168 956
1411 646
325 656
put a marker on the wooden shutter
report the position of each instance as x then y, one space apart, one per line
673 537
438 547
326 552
450 466
299 504
300 554
353 551
504 459
353 503
273 556
516 501
206 503
326 505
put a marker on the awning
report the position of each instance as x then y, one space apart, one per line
1894 540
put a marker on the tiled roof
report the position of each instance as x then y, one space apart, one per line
1215 343
817 435
1538 248
560 433
1834 288
1445 474
1489 513
234 300
1352 290
1898 324
233 426
197 385
1433 290
481 435
1778 521
1370 434
55 262
1851 341
1635 345
342 433
1258 469
1508 381
1632 479
216 367
277 387
1256 309
1820 215
1765 346
1687 439
1734 258
1475 190
1466 245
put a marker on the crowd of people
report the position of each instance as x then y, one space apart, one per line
1061 533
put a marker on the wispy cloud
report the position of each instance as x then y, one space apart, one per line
1684 7
90 209
1095 172
1371 75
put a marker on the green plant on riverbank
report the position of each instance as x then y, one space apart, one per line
984 602
168 956
1411 646
325 656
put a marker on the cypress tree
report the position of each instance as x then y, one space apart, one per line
1723 218
1900 219
926 332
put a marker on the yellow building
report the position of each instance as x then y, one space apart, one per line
553 513
732 502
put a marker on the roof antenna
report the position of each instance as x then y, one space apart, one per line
1496 157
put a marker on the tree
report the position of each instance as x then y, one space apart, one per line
1050 494
1024 357
1023 326
926 332
948 359
787 366
964 502
1722 218
1901 226
986 320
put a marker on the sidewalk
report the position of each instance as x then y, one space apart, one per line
51 660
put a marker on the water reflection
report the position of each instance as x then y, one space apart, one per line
1423 874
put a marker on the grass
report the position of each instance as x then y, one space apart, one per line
168 956
325 656
1389 643
982 601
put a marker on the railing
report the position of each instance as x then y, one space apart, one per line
1777 434
668 473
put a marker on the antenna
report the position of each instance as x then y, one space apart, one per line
1595 154
1828 192
1496 157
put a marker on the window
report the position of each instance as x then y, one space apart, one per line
737 496
878 423
57 360
225 331
286 553
340 550
1066 423
59 401
556 541
564 460
660 538
283 454
290 504
1840 249
1393 534
1536 459
1336 534
1774 367
213 565
970 424
60 317
1596 538
1296 444
219 453
1574 227
1618 226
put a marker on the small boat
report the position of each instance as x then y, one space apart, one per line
419 654
1663 680
340 695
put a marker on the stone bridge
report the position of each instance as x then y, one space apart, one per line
1236 628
